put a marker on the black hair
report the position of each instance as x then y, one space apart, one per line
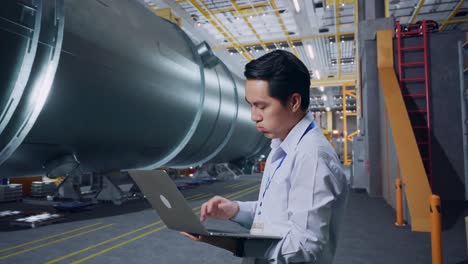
285 74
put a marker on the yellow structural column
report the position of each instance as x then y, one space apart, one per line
329 121
436 229
399 202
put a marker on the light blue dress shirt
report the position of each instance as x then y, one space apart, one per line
304 202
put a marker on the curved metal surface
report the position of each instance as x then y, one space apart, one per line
40 80
220 117
130 91
245 140
20 25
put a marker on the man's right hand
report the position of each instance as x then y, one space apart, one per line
220 208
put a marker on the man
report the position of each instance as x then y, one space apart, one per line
303 190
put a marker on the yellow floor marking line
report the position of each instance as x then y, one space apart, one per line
103 243
242 191
202 197
240 184
49 237
54 242
118 245
234 185
196 195
234 195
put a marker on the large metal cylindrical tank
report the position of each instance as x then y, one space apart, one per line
114 86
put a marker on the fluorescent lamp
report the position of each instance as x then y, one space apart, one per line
310 51
297 6
317 74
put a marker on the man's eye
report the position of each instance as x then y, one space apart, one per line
261 107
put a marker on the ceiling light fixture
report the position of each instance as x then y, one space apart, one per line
324 97
297 6
328 109
321 88
317 74
310 51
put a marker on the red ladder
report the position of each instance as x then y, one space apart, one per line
420 116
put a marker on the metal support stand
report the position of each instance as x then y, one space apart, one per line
116 188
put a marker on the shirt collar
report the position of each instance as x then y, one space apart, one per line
289 144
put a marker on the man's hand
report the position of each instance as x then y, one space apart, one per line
220 208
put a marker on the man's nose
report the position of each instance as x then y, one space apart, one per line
255 116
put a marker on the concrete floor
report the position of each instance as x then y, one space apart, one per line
133 233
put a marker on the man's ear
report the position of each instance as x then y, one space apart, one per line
295 102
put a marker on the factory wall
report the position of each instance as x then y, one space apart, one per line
447 147
447 144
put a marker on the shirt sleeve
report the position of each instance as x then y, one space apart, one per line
246 213
316 182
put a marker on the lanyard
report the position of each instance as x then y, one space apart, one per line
310 127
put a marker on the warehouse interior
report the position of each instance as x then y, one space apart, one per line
92 90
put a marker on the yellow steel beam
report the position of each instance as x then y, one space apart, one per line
237 7
337 38
283 26
285 40
416 12
455 21
333 82
345 92
454 12
240 8
414 175
329 121
219 26
351 135
331 2
231 9
351 93
387 7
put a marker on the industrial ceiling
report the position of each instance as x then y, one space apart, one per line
320 32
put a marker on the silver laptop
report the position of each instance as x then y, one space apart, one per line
165 198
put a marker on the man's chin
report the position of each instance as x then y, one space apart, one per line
268 135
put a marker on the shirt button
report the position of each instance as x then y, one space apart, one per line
259 213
